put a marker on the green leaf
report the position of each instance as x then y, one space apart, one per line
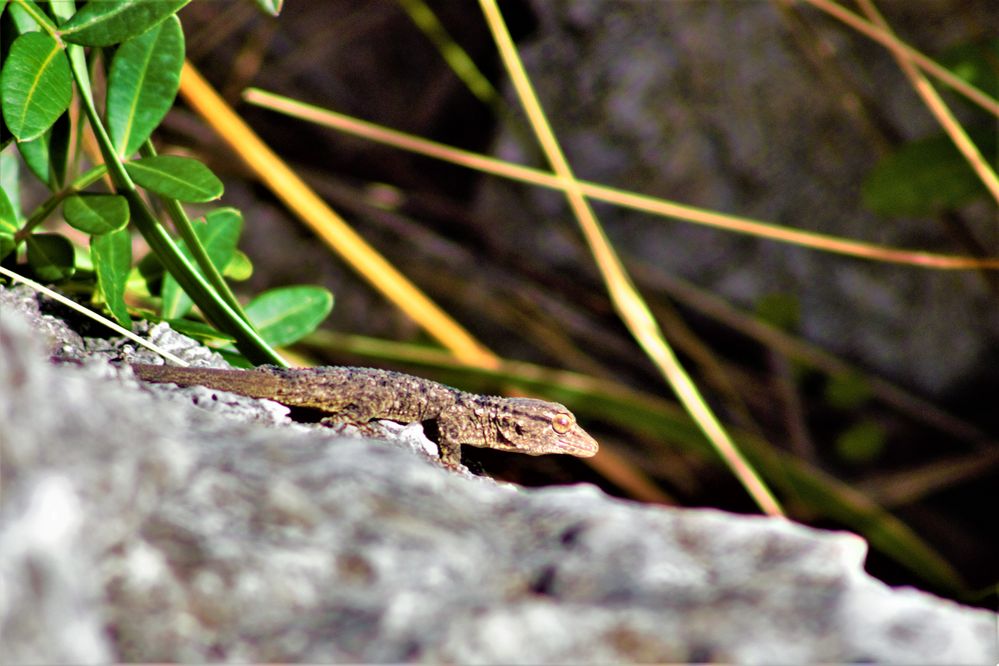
175 303
6 244
96 214
179 178
83 261
779 310
271 7
848 391
234 358
35 154
10 183
22 20
35 85
51 257
218 235
101 23
8 215
144 78
285 315
62 9
201 332
239 267
926 176
17 22
861 443
975 63
112 257
48 154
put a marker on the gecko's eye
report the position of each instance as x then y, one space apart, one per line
561 423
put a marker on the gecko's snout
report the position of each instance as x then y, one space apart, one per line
577 442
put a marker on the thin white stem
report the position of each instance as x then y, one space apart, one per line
93 315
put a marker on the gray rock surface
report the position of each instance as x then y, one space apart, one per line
137 526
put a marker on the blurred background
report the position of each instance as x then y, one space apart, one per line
881 376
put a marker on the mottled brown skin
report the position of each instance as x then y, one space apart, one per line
358 395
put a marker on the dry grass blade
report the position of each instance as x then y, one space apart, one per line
633 200
627 301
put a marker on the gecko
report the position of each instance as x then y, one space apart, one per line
348 395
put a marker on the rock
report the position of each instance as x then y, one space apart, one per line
139 527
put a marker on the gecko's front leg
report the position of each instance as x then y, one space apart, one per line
450 452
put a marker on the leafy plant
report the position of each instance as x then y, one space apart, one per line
926 176
49 101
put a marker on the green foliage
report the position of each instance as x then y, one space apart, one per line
976 64
848 391
286 315
144 78
8 225
779 310
140 45
7 244
96 214
927 176
107 23
111 254
35 85
271 7
207 335
179 178
283 316
8 218
930 175
218 235
239 267
861 443
46 155
51 257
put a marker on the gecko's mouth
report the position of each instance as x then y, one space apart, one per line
578 443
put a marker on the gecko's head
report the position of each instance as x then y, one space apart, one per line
537 427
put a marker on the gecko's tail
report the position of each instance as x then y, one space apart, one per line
235 381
